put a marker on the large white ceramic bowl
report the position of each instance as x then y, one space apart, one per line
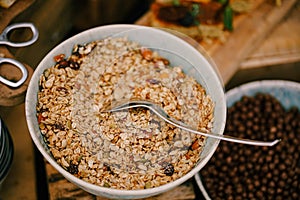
195 64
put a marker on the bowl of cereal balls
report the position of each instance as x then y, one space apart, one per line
266 110
132 153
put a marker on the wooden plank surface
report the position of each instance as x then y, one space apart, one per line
282 46
249 31
20 182
60 188
248 36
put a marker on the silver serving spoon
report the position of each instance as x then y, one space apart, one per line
159 111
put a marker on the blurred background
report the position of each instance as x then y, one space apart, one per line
57 20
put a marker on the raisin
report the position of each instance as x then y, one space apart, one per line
153 81
169 169
73 169
59 126
74 65
63 64
107 167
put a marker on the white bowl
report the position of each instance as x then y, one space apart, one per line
195 64
286 92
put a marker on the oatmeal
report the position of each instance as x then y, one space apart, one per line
131 149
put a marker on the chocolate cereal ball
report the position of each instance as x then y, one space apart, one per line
238 171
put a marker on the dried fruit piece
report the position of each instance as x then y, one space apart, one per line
195 145
169 169
73 169
59 57
146 53
63 64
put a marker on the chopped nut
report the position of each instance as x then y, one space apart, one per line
146 53
59 58
195 145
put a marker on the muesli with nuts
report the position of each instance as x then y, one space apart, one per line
131 149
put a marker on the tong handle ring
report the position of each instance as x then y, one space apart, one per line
18 65
4 35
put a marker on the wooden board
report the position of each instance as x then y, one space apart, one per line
12 96
20 182
249 31
60 188
282 46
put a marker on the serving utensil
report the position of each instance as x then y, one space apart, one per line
5 40
159 111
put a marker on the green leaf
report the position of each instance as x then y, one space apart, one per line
195 10
222 1
176 2
228 18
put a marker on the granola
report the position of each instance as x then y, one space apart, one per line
131 149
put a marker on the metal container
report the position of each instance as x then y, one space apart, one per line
6 152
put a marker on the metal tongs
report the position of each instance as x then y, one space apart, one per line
4 40
159 111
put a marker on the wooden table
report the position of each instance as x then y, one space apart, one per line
31 178
250 31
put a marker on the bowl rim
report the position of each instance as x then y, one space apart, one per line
80 183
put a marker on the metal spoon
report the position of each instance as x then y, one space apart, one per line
159 111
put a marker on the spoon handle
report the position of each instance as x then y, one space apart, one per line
163 115
182 126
